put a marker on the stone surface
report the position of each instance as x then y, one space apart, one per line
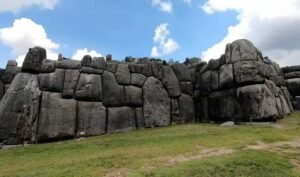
19 110
187 88
157 69
182 72
156 104
123 74
10 72
86 61
205 81
70 82
89 70
293 86
171 82
139 118
240 50
48 66
257 102
133 96
121 119
89 87
98 63
187 108
226 76
57 118
137 79
68 64
1 90
91 119
34 60
52 82
247 72
112 66
176 117
113 93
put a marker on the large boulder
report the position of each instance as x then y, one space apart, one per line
139 118
89 87
91 119
10 72
171 82
19 110
68 64
293 86
113 93
226 79
182 72
187 108
157 69
120 119
156 104
257 102
133 96
34 60
57 118
241 50
1 90
123 74
137 79
52 82
98 63
70 82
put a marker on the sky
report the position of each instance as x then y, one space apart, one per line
168 29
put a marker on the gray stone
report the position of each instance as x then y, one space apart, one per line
182 72
187 108
86 61
57 118
1 90
10 72
257 102
205 81
19 110
287 97
142 68
89 87
48 66
223 106
70 82
108 57
89 70
120 119
68 64
34 59
187 88
123 74
214 84
52 82
133 96
156 104
247 72
99 63
112 66
137 79
157 69
241 50
296 103
213 64
226 76
139 118
113 93
91 119
293 86
171 82
292 75
175 112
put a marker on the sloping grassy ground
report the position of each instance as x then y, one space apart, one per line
185 150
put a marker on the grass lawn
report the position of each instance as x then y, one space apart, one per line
204 150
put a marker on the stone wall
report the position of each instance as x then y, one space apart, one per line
54 100
241 86
292 78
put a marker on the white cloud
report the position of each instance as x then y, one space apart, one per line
271 25
164 44
189 2
24 34
18 5
80 53
163 5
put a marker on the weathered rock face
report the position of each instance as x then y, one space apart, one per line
19 110
292 78
54 100
156 104
241 86
34 60
57 118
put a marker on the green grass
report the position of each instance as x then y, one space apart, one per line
131 151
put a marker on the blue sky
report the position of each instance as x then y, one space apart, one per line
127 27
